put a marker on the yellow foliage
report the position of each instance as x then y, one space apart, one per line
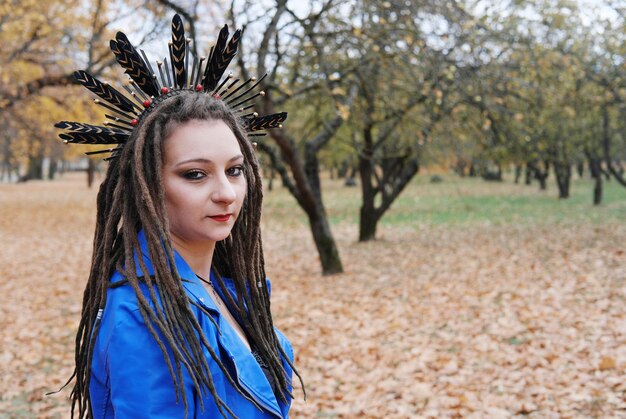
338 91
35 38
344 111
569 111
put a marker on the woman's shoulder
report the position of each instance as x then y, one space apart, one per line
121 309
121 295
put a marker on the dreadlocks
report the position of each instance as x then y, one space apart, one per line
132 198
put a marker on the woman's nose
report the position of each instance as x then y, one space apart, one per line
224 191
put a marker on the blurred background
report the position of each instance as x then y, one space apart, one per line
445 207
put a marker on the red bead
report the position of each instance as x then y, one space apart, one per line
199 88
134 122
164 90
147 103
217 96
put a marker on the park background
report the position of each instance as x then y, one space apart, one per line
444 217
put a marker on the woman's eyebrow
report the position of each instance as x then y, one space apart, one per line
198 160
207 161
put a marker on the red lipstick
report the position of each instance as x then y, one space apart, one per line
220 218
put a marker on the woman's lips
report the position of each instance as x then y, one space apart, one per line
220 218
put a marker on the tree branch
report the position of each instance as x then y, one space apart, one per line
277 164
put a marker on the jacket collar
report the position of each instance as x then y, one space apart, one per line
248 372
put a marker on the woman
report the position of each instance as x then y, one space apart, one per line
176 316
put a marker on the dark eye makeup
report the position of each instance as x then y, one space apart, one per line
193 174
235 171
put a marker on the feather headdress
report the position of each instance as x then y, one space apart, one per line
146 89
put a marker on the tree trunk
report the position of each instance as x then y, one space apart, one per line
324 240
270 185
580 168
528 173
606 145
367 220
7 154
312 173
91 169
350 181
597 191
542 182
326 246
472 169
594 168
367 215
460 166
342 170
563 175
307 191
387 179
367 224
35 168
542 175
52 169
307 200
295 169
619 167
518 173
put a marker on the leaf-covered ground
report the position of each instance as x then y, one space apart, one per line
475 319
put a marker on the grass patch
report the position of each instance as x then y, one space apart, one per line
461 201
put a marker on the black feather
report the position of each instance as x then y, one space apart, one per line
94 138
264 122
222 61
104 91
210 79
87 128
128 57
179 45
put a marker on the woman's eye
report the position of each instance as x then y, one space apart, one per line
235 171
193 175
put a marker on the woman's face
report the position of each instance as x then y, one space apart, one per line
204 181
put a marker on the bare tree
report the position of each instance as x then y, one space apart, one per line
296 160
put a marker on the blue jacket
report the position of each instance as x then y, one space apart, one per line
129 375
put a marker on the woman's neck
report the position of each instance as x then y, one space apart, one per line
198 255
